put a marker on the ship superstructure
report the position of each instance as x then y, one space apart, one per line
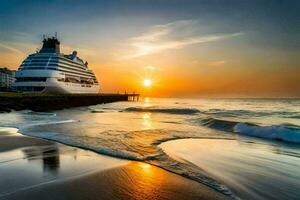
50 71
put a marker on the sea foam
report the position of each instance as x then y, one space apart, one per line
269 132
275 132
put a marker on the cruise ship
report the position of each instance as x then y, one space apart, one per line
50 71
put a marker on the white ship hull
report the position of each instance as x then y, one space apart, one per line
52 85
59 88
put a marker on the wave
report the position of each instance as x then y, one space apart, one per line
48 123
104 110
251 113
269 132
275 132
178 111
30 112
218 124
57 137
97 111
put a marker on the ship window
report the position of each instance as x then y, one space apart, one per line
39 61
37 64
61 79
41 57
38 89
72 80
29 89
31 79
38 68
34 68
51 68
52 64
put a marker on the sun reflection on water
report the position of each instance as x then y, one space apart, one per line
147 122
146 168
146 102
146 181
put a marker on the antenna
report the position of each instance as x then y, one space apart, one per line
44 36
56 35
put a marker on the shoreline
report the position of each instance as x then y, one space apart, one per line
65 169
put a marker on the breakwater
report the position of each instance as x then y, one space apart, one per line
35 102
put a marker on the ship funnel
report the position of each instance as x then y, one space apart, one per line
50 45
74 53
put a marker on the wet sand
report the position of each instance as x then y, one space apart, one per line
251 168
32 168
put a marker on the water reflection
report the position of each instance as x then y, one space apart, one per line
147 122
49 155
51 160
35 165
146 101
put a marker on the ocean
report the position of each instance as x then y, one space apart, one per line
244 148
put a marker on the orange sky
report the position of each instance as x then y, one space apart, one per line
222 51
177 73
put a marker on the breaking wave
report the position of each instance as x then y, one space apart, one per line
252 113
270 132
178 111
275 132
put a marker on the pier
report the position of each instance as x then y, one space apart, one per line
40 102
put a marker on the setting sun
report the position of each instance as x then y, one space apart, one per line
147 83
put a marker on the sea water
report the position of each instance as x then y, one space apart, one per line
135 130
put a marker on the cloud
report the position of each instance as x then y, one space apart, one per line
175 35
217 63
10 48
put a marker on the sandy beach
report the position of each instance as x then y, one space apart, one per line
32 168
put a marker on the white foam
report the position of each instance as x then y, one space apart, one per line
48 123
8 130
269 132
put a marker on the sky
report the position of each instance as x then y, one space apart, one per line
187 48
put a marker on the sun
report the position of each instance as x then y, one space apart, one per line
147 83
